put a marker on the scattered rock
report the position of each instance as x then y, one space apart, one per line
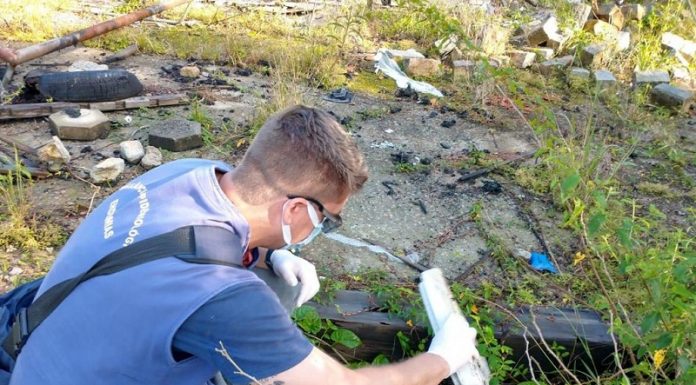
682 74
463 67
604 79
190 72
522 59
107 170
578 73
678 44
539 32
132 151
16 270
650 77
556 41
549 66
633 12
54 154
422 67
82 124
592 54
671 96
612 14
176 135
152 158
448 123
492 187
623 41
446 146
85 65
602 29
543 54
581 13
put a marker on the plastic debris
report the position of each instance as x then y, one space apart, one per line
384 63
407 54
541 262
341 95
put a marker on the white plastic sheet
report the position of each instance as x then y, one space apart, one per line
384 63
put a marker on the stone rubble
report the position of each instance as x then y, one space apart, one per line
107 170
152 158
54 154
671 96
132 151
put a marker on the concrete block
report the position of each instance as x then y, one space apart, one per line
549 66
592 54
542 54
612 14
579 73
581 13
522 59
604 79
82 124
671 96
132 151
422 67
464 68
176 135
601 28
556 41
152 158
107 170
678 44
633 12
623 41
54 154
540 33
650 77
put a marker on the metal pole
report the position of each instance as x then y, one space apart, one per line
25 54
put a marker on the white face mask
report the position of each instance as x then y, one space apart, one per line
287 233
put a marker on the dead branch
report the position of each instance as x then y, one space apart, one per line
223 351
122 54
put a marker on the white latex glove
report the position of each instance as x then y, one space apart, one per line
455 343
293 269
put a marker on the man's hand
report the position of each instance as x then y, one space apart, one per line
293 269
455 343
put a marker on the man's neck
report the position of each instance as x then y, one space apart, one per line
256 215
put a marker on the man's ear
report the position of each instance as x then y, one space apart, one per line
293 208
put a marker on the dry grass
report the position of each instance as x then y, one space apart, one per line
25 20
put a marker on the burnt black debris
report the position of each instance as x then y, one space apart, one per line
447 123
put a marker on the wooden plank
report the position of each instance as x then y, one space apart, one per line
582 333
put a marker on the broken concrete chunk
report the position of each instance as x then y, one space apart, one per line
683 76
176 135
670 96
592 54
604 78
579 73
107 170
540 33
581 13
612 14
543 54
152 158
633 12
522 59
446 45
623 41
85 65
54 154
132 151
678 44
79 124
601 28
464 67
190 72
650 77
549 66
556 41
422 67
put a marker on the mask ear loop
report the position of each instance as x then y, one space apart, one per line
313 215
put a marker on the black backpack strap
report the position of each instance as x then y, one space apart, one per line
180 243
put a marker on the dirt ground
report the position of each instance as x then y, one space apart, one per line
422 214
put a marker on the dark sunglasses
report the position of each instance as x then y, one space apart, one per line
331 221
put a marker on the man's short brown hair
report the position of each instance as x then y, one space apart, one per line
301 151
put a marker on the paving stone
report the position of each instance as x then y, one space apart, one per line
604 79
678 44
54 154
539 34
107 170
422 67
79 124
556 41
579 73
542 54
671 96
152 158
176 135
549 66
522 59
592 54
612 14
650 77
190 72
132 151
85 65
633 12
601 28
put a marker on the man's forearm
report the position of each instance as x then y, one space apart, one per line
424 369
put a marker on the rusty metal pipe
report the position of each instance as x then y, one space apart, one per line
25 54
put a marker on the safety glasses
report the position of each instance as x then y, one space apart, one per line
331 221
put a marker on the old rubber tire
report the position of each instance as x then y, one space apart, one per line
89 86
